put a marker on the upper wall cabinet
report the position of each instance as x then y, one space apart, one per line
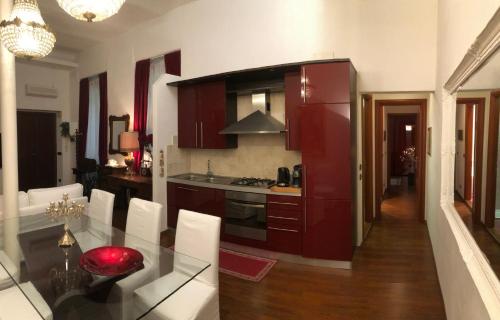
204 109
293 100
326 83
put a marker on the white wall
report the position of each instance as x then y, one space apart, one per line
62 79
465 291
223 35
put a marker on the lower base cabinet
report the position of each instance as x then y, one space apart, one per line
284 224
203 200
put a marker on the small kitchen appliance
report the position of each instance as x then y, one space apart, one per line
297 176
283 179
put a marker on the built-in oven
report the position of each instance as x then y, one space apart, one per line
245 215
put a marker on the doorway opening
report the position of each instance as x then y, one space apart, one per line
399 156
37 149
492 205
469 156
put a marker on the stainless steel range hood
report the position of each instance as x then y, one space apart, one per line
257 122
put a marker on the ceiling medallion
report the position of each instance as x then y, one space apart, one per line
91 10
25 34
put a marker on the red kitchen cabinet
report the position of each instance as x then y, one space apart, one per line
327 82
293 100
187 117
204 110
327 229
284 224
203 200
326 151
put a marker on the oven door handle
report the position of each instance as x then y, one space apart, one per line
249 205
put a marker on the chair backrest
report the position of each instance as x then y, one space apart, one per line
198 235
144 219
46 195
101 206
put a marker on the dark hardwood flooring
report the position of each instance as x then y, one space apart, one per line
485 241
393 277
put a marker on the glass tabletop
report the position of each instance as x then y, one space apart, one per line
53 282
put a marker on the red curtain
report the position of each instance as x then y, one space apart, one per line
141 104
103 118
83 119
173 63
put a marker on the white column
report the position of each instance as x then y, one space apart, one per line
8 124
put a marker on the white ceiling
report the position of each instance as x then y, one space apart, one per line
77 35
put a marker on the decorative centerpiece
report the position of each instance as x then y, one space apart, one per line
410 162
111 261
67 212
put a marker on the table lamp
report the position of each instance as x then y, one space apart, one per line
129 142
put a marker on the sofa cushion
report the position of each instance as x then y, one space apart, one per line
46 195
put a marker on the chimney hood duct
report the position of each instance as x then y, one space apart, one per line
257 122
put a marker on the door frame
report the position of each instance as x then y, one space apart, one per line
367 162
492 157
421 151
478 154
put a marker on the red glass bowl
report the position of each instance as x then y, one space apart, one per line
111 261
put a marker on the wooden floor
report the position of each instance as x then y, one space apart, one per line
393 277
484 239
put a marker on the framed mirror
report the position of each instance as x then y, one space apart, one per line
117 125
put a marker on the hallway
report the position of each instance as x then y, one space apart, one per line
393 277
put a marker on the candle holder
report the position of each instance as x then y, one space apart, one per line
63 210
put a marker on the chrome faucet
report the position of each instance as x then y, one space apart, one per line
209 170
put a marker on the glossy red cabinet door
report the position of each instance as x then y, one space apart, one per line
187 117
327 229
326 151
172 211
293 100
326 82
212 114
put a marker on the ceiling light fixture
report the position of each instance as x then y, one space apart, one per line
25 34
91 10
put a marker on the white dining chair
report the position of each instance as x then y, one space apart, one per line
101 206
197 235
15 305
143 234
144 219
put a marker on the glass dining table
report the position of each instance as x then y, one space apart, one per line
53 282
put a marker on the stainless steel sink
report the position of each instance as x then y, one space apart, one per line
204 178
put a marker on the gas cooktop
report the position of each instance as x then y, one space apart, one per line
254 182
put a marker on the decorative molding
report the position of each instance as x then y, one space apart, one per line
483 276
485 45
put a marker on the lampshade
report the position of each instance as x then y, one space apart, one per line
25 34
129 141
91 10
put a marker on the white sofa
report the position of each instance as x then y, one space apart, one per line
35 201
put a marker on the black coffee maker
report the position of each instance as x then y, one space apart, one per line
297 176
283 179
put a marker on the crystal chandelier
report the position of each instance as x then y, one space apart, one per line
91 10
25 34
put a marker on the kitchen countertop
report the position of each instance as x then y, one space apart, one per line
223 183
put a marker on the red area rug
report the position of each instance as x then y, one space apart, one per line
243 265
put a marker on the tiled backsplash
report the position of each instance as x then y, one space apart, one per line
258 155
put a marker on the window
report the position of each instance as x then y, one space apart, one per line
156 69
92 148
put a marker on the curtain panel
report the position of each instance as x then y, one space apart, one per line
141 105
83 117
103 118
173 63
